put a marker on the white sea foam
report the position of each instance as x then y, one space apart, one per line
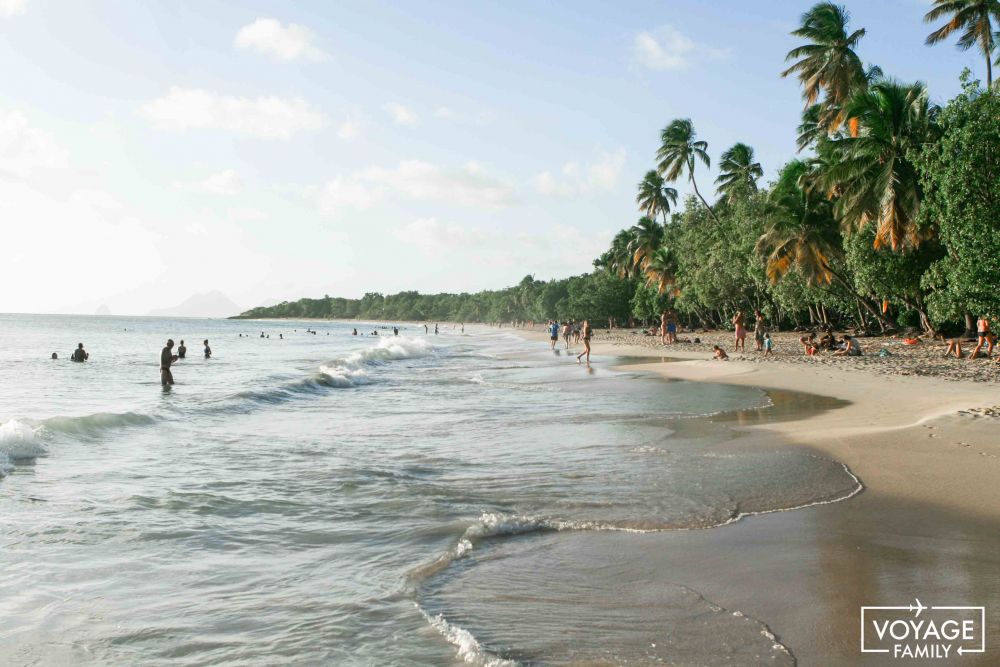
468 647
18 440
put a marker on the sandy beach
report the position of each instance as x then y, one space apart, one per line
919 435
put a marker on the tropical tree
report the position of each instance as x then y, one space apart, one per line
974 19
661 269
655 197
647 236
876 180
678 152
738 172
827 63
618 258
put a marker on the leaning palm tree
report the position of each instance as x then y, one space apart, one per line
618 258
661 269
655 197
647 236
738 172
827 64
975 19
872 173
679 150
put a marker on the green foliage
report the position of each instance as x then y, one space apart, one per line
960 174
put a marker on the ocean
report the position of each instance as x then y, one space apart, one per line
327 499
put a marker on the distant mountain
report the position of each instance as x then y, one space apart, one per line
209 304
102 310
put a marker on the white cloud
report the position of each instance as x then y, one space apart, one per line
25 148
468 185
225 183
432 236
282 42
666 48
599 175
444 112
401 115
266 117
244 214
350 128
12 7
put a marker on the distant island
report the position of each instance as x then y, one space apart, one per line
208 304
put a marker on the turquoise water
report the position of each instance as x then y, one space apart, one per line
319 499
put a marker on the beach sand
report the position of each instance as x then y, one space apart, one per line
927 524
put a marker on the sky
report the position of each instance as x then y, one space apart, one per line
274 150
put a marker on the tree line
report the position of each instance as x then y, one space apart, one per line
889 218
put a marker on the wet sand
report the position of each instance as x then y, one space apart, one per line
927 524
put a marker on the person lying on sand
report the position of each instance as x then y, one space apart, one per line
720 353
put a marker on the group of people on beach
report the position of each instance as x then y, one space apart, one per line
573 332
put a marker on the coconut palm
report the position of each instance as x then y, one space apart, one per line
661 269
871 172
738 172
800 231
655 197
679 150
827 64
975 19
618 258
647 236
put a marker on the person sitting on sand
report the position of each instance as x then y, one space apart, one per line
79 354
720 353
850 349
828 341
808 342
167 357
181 351
739 321
768 345
983 337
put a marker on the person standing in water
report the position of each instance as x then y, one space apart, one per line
79 354
435 329
553 333
167 357
585 331
208 350
181 351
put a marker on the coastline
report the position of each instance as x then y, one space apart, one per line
927 524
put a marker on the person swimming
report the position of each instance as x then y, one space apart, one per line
181 350
55 356
79 354
208 350
167 357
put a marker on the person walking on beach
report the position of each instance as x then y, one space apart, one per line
671 326
181 351
79 354
567 330
208 350
768 345
167 357
585 332
758 330
663 328
739 321
983 337
553 333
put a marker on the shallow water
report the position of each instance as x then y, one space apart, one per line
325 498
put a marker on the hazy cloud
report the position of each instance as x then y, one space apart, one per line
401 115
667 48
25 148
265 117
12 7
225 183
281 42
575 178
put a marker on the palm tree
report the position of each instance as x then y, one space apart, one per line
827 64
975 19
678 152
661 268
800 231
618 258
647 236
739 172
876 181
655 197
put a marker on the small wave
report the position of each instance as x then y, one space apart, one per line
20 438
468 647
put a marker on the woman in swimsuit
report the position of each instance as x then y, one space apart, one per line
585 330
983 337
741 331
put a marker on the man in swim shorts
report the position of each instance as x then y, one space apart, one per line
553 333
167 357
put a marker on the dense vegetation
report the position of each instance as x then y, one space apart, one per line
891 217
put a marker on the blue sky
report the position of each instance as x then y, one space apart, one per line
272 150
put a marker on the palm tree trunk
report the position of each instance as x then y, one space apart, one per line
989 72
695 184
